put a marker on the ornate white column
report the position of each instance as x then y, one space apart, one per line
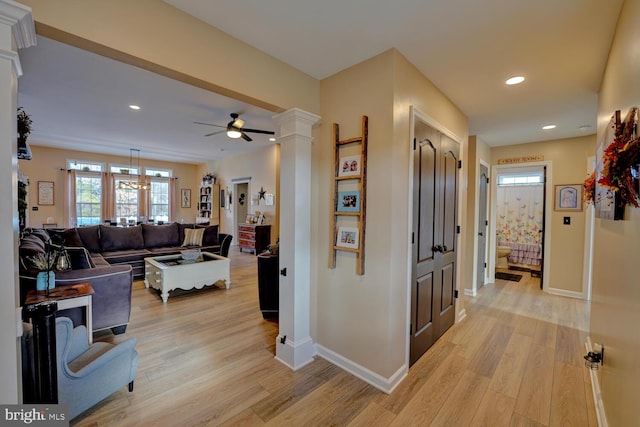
294 346
16 31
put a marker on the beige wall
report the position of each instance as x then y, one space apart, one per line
47 163
364 318
615 308
568 159
156 36
263 167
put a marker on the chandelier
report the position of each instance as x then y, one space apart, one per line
131 183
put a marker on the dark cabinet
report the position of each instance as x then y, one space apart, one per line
254 237
268 285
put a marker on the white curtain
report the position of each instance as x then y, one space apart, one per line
519 221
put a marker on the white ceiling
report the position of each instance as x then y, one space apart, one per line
467 48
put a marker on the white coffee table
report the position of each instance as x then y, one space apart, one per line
170 272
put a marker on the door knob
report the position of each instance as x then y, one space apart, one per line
437 248
480 234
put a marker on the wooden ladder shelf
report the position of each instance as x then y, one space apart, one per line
349 204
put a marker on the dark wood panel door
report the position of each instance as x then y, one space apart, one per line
434 238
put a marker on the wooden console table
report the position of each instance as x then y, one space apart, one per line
67 296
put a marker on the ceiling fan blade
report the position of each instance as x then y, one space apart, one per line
215 133
208 124
266 132
246 137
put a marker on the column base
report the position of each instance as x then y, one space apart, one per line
295 355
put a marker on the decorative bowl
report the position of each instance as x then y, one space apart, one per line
190 255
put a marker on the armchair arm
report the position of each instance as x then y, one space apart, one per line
225 243
125 349
111 301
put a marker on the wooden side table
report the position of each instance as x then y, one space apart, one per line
67 296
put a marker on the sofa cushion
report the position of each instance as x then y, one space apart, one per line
90 238
125 256
30 246
66 237
193 236
160 235
40 233
120 238
210 236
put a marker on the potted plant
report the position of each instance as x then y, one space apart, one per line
208 178
45 264
24 129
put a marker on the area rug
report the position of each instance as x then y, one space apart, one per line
509 276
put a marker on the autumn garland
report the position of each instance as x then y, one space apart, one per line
618 159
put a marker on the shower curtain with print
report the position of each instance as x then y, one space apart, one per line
519 222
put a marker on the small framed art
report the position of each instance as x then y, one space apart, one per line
349 166
348 237
185 198
348 201
568 198
45 192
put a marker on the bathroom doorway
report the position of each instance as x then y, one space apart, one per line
241 199
520 221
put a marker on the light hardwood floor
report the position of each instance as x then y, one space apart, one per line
206 358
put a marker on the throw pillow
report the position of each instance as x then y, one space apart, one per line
193 236
67 237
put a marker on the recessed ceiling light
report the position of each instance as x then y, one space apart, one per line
515 80
584 128
272 139
134 107
548 127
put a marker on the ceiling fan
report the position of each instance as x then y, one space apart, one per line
235 130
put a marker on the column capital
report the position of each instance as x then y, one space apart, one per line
296 122
18 17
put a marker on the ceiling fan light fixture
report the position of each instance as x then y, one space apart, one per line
232 133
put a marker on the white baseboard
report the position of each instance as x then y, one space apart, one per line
462 314
597 395
381 383
470 292
565 293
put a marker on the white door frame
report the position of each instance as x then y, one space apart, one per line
495 171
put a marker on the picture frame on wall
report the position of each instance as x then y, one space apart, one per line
348 201
185 198
348 237
568 198
350 166
45 193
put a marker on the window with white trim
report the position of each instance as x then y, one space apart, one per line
88 191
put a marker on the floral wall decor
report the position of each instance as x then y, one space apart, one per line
614 183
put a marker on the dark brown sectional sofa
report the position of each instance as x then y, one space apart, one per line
110 258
